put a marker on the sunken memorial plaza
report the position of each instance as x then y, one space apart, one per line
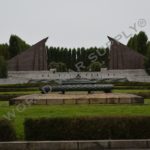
124 63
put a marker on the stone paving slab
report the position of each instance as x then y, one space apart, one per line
80 98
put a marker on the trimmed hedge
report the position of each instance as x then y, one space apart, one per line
131 83
27 85
143 94
18 89
87 128
132 87
7 132
7 97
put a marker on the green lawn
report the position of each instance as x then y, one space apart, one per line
18 115
132 91
19 92
115 91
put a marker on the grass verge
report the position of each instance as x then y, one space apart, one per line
18 114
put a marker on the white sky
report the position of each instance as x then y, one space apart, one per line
72 23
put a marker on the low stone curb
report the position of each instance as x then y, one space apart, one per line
76 145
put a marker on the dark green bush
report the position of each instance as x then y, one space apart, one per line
143 94
3 67
28 85
131 83
87 128
18 89
7 132
132 87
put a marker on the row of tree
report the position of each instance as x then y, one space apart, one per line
80 57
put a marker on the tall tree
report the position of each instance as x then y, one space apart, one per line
139 42
3 67
69 59
132 43
73 59
142 43
78 54
49 54
16 45
84 56
4 50
147 59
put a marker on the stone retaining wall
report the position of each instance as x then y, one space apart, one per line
14 77
76 145
132 74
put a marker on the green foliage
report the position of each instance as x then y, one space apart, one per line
71 57
4 50
7 132
28 85
72 111
87 128
3 67
132 84
95 66
132 43
139 42
60 67
147 59
142 43
16 45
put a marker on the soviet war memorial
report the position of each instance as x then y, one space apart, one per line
32 59
74 75
122 57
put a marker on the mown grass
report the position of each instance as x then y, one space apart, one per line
18 114
19 92
132 91
115 91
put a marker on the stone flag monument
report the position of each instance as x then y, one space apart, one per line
123 57
32 59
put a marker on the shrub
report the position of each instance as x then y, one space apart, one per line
132 87
87 128
132 83
3 67
95 66
7 132
28 85
59 66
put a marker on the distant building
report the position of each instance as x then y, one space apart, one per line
33 59
123 57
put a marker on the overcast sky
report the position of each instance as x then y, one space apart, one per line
73 23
